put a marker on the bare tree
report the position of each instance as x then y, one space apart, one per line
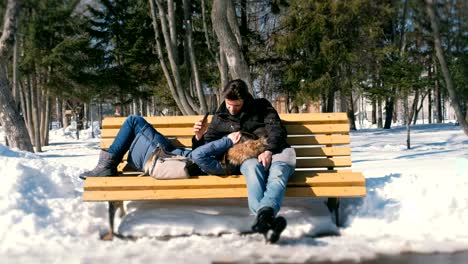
218 56
14 126
164 25
444 68
228 33
191 53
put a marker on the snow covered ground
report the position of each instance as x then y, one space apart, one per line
417 202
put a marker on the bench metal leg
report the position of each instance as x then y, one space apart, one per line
113 206
333 205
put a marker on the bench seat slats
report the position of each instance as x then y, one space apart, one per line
146 182
129 195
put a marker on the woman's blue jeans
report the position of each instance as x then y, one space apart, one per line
129 130
266 188
208 156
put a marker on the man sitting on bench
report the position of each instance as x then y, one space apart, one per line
266 175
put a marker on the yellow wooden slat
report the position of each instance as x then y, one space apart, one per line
292 129
324 163
311 152
149 183
315 118
317 129
319 140
298 141
125 195
171 121
166 131
339 191
156 121
323 151
177 142
338 162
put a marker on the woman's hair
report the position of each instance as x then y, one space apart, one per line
236 90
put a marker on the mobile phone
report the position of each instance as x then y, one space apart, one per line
205 117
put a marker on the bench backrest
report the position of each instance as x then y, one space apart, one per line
321 140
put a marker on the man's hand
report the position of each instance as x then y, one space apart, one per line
265 158
234 137
199 128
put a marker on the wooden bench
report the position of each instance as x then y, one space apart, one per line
321 141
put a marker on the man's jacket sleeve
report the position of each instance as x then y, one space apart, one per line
275 130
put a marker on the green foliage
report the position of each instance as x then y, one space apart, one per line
121 30
331 44
459 70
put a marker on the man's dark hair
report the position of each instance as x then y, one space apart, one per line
236 90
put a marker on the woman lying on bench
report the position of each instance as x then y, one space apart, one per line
266 175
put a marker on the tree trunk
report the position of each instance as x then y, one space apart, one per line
28 102
445 71
64 117
170 39
174 82
226 29
15 87
220 59
36 112
223 70
407 122
45 121
429 106
389 107
438 96
14 126
193 60
379 113
58 110
418 109
350 111
374 112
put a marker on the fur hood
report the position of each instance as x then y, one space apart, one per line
248 147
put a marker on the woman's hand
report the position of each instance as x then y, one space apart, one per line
234 137
265 158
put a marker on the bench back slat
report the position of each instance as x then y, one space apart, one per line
292 130
321 140
296 140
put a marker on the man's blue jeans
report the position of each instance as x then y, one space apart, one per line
266 187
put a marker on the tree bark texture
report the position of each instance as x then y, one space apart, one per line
35 113
193 60
170 39
168 30
227 31
444 68
14 126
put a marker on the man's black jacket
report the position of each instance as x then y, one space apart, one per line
257 116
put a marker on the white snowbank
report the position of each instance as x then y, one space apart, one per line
416 202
